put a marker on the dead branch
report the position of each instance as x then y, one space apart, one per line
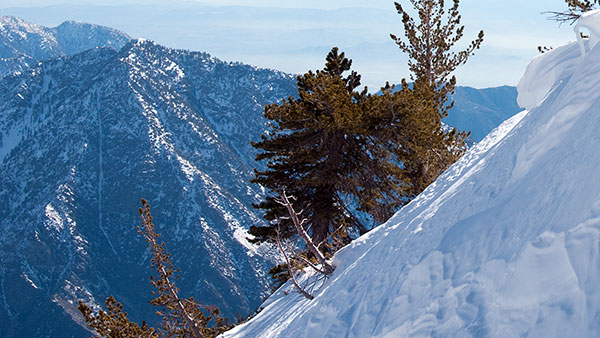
289 264
284 200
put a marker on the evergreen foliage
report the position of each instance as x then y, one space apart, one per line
321 150
340 151
181 317
279 275
429 42
114 323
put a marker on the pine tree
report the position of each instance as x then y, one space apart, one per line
429 41
339 151
181 317
320 150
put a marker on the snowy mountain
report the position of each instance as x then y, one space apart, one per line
23 44
482 110
84 138
505 244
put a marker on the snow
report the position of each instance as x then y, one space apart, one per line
29 281
505 244
24 44
545 72
54 218
590 21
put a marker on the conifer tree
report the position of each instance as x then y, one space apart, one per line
320 150
181 317
339 151
429 40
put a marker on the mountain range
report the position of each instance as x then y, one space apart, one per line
90 123
481 110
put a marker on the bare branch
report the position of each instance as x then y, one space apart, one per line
278 240
328 269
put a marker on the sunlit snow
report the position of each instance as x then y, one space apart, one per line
505 244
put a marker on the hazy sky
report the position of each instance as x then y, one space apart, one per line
295 36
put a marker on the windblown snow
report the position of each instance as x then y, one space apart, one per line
505 244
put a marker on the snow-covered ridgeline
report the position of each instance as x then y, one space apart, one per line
23 44
505 244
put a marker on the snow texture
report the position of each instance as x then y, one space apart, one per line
505 244
590 21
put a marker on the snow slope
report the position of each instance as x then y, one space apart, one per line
505 244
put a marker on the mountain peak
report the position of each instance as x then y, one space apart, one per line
23 44
84 26
9 20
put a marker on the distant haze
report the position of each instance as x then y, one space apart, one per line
295 36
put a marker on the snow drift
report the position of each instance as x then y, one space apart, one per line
505 244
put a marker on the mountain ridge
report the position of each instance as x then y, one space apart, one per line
139 122
23 44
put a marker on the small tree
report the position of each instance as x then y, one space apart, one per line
114 323
181 317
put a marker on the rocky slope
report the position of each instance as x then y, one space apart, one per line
83 138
